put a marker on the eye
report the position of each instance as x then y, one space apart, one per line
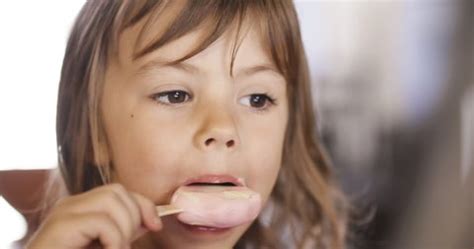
257 101
172 97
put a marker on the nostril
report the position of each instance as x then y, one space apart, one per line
209 141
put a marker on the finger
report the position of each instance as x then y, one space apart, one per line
128 199
108 201
133 207
117 209
149 216
98 226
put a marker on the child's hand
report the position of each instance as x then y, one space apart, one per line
109 214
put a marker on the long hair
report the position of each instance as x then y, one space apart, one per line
307 210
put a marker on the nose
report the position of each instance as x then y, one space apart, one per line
217 131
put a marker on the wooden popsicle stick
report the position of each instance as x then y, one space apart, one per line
164 210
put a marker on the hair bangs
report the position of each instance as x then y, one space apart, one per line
167 21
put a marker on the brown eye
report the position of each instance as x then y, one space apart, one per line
257 101
172 97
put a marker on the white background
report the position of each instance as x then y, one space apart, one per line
33 38
32 41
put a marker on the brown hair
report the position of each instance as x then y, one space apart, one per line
307 209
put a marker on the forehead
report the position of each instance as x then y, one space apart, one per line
239 40
248 52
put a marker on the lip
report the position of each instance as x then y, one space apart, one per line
215 179
202 230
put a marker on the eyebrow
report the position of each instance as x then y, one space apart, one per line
159 64
262 68
191 69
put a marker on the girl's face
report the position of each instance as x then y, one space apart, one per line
167 124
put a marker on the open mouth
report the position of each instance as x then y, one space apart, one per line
215 203
214 180
205 184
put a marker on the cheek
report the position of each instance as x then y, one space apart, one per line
147 156
264 172
265 148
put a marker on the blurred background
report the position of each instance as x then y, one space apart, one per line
393 85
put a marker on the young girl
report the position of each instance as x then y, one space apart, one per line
155 93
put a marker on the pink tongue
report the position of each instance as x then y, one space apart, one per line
216 206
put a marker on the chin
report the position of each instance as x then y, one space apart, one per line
183 236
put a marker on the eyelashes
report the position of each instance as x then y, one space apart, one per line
172 97
256 101
260 101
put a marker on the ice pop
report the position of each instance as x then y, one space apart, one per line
216 206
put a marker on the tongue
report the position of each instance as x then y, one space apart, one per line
216 206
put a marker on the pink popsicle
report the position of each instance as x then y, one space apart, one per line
216 206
